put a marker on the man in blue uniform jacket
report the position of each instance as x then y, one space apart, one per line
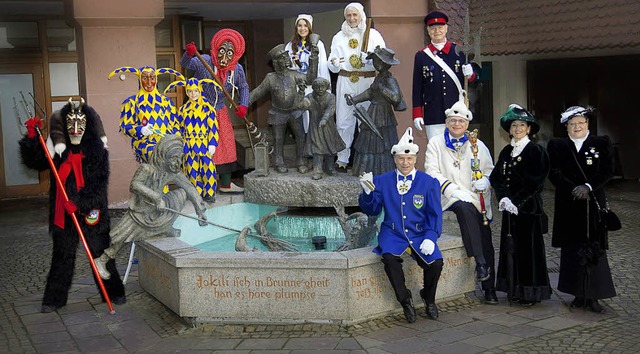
439 70
412 223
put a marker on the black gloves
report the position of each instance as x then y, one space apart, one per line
581 192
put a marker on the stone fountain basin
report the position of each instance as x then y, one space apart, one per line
267 287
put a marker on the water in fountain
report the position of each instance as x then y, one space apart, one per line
295 225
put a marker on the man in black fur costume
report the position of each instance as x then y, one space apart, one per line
84 171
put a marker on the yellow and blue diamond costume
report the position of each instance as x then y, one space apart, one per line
199 129
147 108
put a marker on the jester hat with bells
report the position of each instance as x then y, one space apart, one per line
192 84
138 73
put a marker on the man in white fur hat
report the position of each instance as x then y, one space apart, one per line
355 72
412 223
448 159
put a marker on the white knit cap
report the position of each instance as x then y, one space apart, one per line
405 145
459 109
358 6
309 19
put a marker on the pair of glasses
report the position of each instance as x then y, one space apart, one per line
457 121
575 124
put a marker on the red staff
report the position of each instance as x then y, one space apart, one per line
37 123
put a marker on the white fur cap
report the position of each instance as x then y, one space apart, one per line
459 109
309 19
405 145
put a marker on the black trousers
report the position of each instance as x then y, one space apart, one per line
430 273
476 237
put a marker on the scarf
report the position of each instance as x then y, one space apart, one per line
72 163
518 146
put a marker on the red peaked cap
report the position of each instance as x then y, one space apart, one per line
233 36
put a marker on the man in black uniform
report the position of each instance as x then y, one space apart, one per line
439 71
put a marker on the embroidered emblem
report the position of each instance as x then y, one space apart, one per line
355 61
353 43
589 160
93 217
418 201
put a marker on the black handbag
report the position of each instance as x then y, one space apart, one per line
610 219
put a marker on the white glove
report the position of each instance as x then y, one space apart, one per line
418 122
461 196
506 204
366 181
104 141
59 148
427 247
467 70
481 184
212 150
146 130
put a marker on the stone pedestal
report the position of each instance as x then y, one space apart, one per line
293 189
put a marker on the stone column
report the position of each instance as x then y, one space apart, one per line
401 24
112 34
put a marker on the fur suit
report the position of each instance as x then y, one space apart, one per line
86 188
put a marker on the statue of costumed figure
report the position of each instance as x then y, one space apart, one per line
151 212
83 168
148 115
227 46
199 130
286 88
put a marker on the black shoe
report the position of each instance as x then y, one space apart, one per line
409 311
482 272
432 311
577 303
48 308
521 302
490 297
119 300
595 306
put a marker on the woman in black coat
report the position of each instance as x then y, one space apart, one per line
580 167
518 179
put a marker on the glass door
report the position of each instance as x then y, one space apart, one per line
17 83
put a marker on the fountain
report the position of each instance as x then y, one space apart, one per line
212 285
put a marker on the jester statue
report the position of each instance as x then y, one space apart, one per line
148 115
287 96
83 168
151 212
227 46
199 130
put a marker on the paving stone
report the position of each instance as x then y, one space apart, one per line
492 340
98 344
312 343
277 343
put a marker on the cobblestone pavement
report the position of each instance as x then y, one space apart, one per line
144 325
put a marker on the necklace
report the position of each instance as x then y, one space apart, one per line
457 156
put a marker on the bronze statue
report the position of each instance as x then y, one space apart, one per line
371 153
325 141
151 211
287 92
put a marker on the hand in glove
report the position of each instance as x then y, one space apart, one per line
191 49
581 192
146 130
427 247
467 70
507 204
59 148
31 125
70 207
366 181
211 150
481 185
461 196
241 111
418 123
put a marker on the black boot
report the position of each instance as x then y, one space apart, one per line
577 303
595 306
409 311
490 297
430 308
482 272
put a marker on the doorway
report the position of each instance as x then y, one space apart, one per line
17 83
